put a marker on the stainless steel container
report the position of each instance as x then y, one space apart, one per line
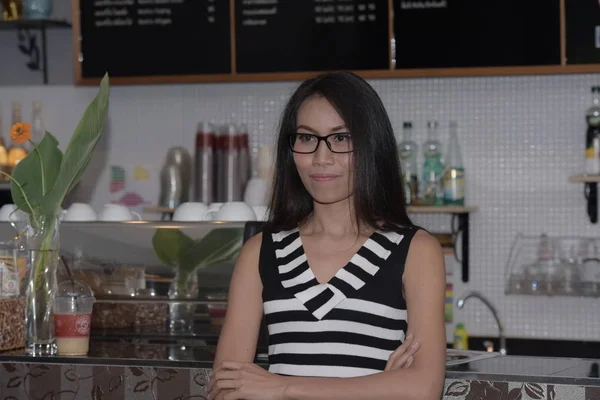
228 181
175 178
244 157
204 164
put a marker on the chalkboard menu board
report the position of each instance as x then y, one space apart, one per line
477 33
154 37
311 35
582 19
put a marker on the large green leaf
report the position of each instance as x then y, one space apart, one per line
46 157
80 148
176 249
169 244
220 245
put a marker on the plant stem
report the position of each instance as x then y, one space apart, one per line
37 151
45 250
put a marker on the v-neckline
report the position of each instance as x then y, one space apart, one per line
320 298
343 267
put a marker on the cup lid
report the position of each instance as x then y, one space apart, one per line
75 289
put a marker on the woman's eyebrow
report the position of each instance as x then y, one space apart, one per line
308 128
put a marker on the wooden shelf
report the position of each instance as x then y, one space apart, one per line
585 178
33 24
448 251
411 209
367 74
442 209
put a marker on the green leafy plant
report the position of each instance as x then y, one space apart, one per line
40 182
174 248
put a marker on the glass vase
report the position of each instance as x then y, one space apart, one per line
37 9
182 314
42 254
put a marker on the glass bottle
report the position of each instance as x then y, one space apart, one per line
3 151
407 152
592 141
433 166
454 175
37 125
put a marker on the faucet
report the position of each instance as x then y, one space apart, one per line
461 302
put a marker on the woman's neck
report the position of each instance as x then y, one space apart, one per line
337 219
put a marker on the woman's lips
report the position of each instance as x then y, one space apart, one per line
323 177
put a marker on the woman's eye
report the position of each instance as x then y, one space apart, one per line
305 138
341 138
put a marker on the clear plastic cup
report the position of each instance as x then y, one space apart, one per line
73 304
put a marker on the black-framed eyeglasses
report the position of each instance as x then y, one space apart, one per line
307 143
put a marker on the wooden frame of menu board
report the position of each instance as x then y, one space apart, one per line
233 75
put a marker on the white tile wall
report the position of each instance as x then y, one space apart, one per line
521 138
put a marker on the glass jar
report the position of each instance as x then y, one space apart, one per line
37 9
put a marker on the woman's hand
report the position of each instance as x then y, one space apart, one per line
403 356
234 380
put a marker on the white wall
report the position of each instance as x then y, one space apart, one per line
521 138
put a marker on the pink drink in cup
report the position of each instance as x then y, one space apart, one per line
73 306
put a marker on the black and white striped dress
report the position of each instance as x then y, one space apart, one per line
344 328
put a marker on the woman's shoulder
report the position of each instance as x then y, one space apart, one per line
425 255
252 245
424 241
250 252
410 232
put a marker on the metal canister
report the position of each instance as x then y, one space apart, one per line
244 157
181 157
204 163
228 173
170 186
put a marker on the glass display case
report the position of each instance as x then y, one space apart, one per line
154 282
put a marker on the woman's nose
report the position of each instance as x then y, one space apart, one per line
323 156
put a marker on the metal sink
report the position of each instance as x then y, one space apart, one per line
458 357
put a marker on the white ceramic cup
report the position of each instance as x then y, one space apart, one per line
256 192
6 210
213 209
235 211
118 212
190 211
80 212
262 212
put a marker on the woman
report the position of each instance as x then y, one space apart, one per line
340 269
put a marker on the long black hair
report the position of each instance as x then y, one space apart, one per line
379 200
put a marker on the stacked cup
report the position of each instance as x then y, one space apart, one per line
231 211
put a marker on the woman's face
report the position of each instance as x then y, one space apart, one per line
327 176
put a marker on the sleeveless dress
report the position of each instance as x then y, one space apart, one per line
346 327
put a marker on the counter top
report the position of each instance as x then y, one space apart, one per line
102 352
169 354
567 371
125 370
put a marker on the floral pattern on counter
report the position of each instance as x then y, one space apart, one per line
492 390
78 382
74 382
